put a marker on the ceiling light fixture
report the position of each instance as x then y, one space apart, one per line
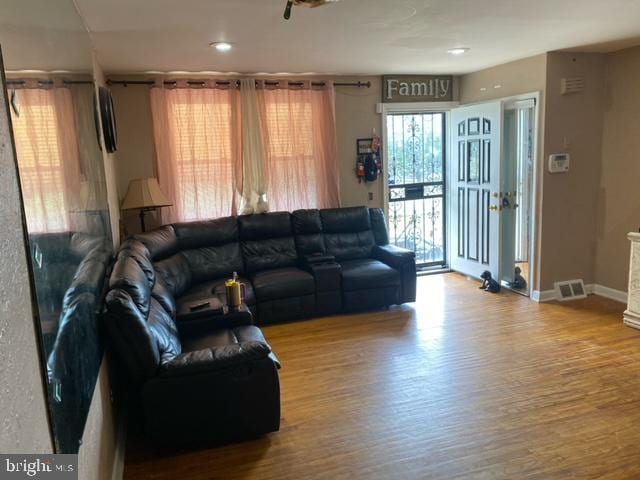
221 46
458 50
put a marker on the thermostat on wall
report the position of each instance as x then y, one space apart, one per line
559 162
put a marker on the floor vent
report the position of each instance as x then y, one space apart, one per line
570 290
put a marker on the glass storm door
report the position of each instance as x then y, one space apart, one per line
416 176
475 198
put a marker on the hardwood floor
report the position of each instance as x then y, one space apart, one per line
463 384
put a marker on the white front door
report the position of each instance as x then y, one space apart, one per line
475 199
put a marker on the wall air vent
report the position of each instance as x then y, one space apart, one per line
570 290
571 85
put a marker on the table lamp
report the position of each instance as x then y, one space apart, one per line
144 194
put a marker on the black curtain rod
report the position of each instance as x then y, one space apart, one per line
51 82
237 82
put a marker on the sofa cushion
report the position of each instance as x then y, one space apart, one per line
342 220
379 226
307 228
349 246
347 232
162 295
213 262
128 276
269 254
282 283
174 273
226 336
137 251
209 233
161 242
367 274
208 289
265 225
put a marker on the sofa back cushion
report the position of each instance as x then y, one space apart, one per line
379 226
161 242
211 248
208 233
347 232
175 274
307 228
267 241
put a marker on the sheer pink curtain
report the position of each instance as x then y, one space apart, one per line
48 159
198 150
301 152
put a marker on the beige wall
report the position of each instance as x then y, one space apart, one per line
356 117
101 455
514 78
619 200
573 124
23 409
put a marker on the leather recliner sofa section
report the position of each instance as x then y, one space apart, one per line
191 389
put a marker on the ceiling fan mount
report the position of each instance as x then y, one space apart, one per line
304 3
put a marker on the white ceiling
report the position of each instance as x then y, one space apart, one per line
43 35
348 37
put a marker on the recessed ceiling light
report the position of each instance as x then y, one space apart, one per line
458 51
221 46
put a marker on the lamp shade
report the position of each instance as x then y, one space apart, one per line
144 193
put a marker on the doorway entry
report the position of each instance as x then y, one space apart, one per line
415 167
517 183
491 203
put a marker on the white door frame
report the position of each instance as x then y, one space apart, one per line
413 107
533 244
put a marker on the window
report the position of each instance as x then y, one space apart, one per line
41 146
198 136
300 137
202 148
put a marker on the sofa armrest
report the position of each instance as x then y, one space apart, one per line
316 259
215 358
404 261
393 256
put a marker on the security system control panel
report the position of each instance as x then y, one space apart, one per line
559 162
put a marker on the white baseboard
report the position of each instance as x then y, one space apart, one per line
612 293
543 296
631 319
591 288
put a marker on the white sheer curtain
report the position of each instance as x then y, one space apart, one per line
254 181
197 138
48 160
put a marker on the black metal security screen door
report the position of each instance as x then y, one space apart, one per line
416 176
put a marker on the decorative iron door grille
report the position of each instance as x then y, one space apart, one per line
416 176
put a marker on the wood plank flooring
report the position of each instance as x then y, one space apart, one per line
462 384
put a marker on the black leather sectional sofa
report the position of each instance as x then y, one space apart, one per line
294 265
279 256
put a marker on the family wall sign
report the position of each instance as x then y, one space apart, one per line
417 88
